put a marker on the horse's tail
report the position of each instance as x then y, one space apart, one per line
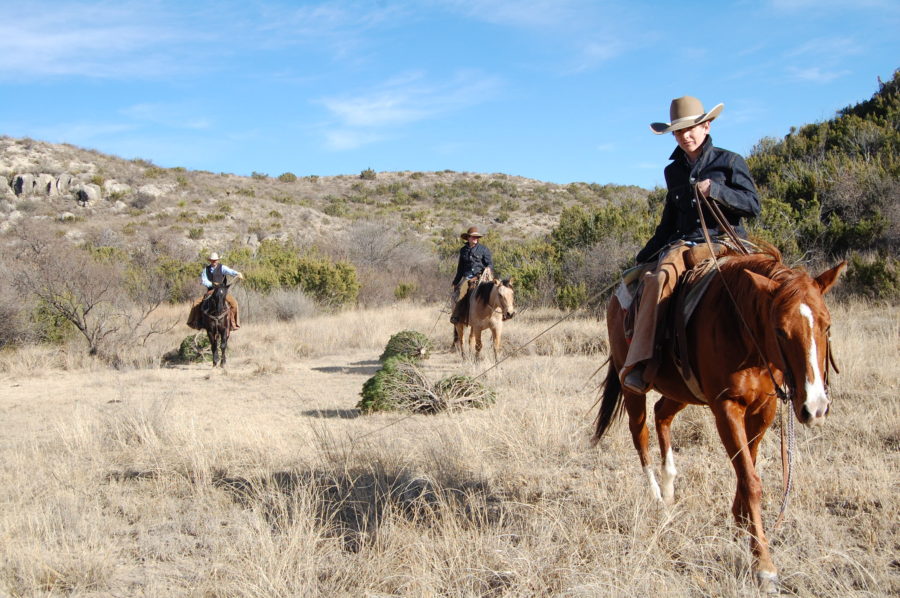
610 403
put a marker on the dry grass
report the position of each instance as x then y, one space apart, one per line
262 480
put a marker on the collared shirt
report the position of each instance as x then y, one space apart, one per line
472 261
209 273
731 185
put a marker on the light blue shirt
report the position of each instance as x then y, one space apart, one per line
204 280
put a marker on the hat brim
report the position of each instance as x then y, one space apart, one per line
465 236
661 128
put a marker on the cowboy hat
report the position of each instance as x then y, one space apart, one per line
213 257
472 232
686 112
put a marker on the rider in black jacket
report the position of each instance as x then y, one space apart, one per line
697 167
474 258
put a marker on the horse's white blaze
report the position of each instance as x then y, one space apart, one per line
654 487
816 398
668 476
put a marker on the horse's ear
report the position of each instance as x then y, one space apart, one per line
767 285
508 282
826 279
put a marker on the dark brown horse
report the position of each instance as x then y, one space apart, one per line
215 318
759 326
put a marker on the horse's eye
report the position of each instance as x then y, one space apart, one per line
781 333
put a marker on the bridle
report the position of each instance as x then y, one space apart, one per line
785 391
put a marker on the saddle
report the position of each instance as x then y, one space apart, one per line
691 287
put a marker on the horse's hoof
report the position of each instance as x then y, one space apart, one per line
768 582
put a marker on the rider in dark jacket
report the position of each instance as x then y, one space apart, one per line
474 258
730 185
698 167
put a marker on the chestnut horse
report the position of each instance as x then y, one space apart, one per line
490 304
760 325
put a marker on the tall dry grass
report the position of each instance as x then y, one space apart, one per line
261 481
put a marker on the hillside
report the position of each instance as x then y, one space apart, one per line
86 194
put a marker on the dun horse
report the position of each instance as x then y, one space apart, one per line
490 304
215 318
759 326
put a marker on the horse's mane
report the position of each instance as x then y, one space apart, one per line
483 292
767 263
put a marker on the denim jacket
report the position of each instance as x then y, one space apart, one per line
731 186
472 262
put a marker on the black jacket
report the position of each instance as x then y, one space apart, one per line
732 187
472 262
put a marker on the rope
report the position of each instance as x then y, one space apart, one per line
786 458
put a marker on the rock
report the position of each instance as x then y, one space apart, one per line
63 182
23 184
66 217
112 187
86 194
155 191
44 184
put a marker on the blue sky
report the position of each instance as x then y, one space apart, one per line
556 90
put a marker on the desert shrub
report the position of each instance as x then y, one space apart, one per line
277 265
572 296
405 290
259 176
49 325
460 391
194 348
398 386
408 343
367 175
287 177
874 276
401 386
282 305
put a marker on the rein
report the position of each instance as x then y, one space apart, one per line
786 396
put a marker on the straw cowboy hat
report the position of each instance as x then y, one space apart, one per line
685 112
472 232
213 257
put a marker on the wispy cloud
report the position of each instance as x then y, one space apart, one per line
361 119
592 33
168 115
94 40
816 74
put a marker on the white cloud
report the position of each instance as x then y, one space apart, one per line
402 101
816 74
93 40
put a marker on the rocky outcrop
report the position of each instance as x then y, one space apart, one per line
86 194
23 184
63 182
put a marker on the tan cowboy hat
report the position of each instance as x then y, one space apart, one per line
213 257
472 232
685 112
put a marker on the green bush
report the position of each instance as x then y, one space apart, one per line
408 343
287 177
405 290
280 265
367 175
400 386
49 325
876 277
193 349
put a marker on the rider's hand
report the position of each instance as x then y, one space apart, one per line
240 276
703 187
